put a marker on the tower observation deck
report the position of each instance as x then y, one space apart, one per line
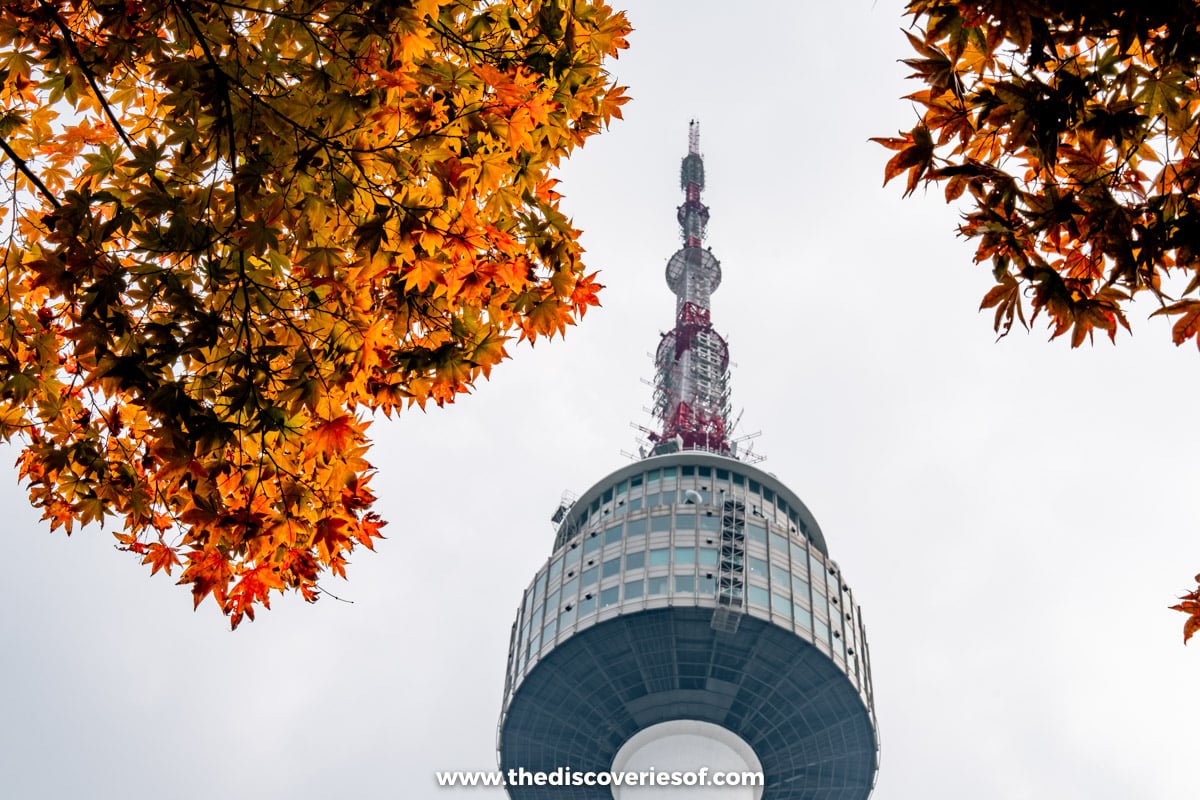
690 596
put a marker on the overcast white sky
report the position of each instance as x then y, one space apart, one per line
1014 517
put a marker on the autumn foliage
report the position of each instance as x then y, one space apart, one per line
1070 129
235 229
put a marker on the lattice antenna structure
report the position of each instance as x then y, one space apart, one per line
691 387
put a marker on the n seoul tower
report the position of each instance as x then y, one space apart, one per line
690 608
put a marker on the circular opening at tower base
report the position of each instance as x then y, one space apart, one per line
711 762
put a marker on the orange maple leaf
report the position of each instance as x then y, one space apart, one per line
1191 607
160 556
335 435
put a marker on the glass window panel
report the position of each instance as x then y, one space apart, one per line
780 578
668 472
571 562
822 631
591 544
586 606
799 556
552 601
820 605
635 504
550 629
803 617
817 576
685 583
660 557
569 589
633 589
651 500
708 584
781 605
635 560
589 576
760 596
779 544
652 476
688 469
709 556
658 585
685 555
758 566
566 618
555 568
610 596
799 586
612 567
612 534
685 521
710 523
757 532
635 481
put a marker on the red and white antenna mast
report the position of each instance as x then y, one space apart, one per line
691 388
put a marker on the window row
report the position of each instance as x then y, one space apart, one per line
780 605
636 541
669 486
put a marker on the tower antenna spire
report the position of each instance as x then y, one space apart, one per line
691 387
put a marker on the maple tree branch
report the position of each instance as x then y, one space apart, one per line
29 173
325 591
69 39
300 20
223 85
90 76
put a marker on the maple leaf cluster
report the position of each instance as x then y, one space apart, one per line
1071 131
236 229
